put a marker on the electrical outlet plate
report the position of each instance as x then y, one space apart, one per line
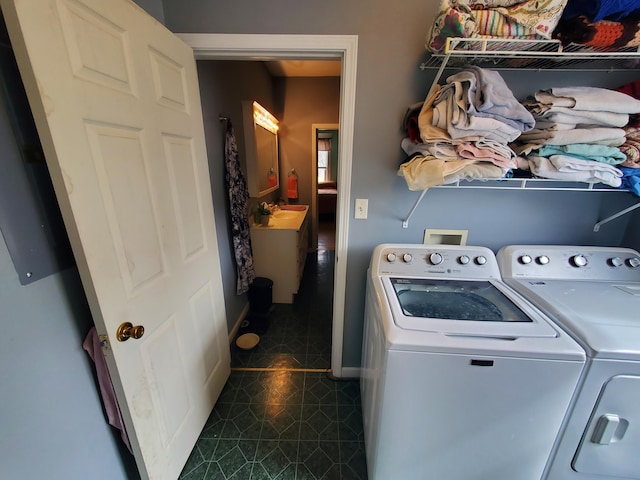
445 237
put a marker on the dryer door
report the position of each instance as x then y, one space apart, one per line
610 443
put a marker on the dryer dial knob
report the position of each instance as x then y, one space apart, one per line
542 260
481 260
407 258
435 258
579 260
391 257
615 261
525 259
464 259
633 262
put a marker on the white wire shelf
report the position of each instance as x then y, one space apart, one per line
505 53
546 184
540 184
531 54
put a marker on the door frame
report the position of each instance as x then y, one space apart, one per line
213 46
314 177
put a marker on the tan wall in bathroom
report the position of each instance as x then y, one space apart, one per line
303 102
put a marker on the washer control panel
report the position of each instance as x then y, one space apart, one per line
570 262
435 261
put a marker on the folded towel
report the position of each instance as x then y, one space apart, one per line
544 125
472 152
489 96
596 153
429 132
476 171
631 147
570 116
463 127
603 135
422 172
570 169
499 148
437 149
589 98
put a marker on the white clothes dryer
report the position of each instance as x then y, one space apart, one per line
593 293
462 378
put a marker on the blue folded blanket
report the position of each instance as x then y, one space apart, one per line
596 10
631 179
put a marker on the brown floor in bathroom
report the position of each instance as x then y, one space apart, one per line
281 416
327 234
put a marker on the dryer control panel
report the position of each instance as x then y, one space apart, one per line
570 262
435 261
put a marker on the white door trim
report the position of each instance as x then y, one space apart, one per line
277 46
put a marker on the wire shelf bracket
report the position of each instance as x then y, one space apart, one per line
596 227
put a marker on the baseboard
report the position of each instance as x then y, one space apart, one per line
350 372
238 323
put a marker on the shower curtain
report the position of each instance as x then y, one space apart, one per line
238 201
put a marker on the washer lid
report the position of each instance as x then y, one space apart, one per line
602 316
482 308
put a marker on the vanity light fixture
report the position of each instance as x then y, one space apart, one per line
262 117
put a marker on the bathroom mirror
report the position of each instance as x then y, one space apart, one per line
261 142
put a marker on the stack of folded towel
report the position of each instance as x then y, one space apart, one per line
577 134
630 168
462 131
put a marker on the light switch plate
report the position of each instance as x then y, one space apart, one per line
362 208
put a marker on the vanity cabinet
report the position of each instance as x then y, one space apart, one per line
280 251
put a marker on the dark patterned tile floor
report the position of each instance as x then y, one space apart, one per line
290 420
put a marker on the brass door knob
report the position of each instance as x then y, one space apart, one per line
127 330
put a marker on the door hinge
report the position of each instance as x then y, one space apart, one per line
104 342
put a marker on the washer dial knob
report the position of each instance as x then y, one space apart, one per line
407 258
542 260
579 260
615 261
481 260
633 262
435 258
464 259
524 259
391 257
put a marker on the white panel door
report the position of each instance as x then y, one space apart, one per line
116 102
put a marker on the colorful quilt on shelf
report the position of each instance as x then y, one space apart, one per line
529 19
600 24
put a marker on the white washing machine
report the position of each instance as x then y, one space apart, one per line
462 378
594 294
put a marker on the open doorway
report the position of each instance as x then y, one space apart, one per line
325 144
343 47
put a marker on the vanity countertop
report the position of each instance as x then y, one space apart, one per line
283 219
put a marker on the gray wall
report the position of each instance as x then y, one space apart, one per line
223 87
390 50
51 419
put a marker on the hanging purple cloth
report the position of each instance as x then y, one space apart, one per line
238 201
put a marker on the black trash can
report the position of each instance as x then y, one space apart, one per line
260 296
260 302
